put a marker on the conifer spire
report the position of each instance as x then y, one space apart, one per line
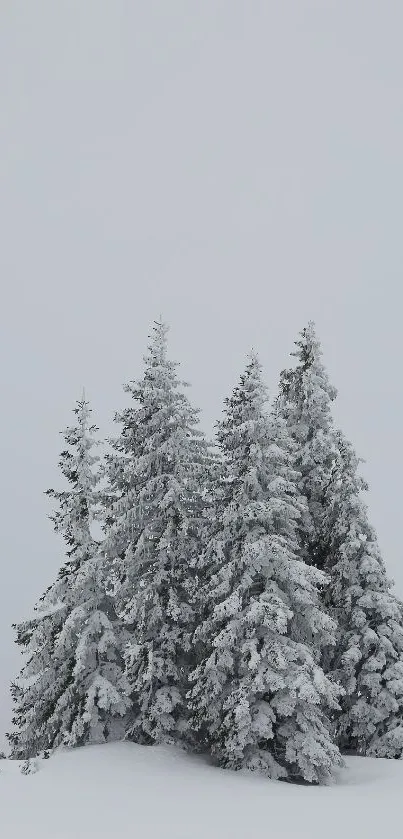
368 656
337 538
156 476
72 689
259 699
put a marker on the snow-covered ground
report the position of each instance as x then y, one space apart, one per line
123 791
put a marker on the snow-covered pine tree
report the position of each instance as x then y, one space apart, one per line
72 688
305 402
337 537
156 474
368 657
259 699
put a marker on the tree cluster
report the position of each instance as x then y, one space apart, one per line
237 603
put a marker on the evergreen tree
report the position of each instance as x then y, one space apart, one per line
259 699
305 402
337 538
72 689
368 657
156 473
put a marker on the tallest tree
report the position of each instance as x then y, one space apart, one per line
305 402
156 474
337 538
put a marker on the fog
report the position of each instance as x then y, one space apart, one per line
233 166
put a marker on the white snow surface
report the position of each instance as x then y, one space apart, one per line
125 791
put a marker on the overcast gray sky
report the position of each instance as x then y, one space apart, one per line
235 166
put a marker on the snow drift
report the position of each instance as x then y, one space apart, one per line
125 791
